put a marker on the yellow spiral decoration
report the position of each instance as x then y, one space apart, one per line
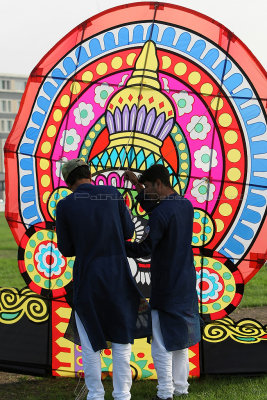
246 331
15 303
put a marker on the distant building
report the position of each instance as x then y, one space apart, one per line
11 91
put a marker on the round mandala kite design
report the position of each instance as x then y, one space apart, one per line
209 285
41 264
57 195
140 90
203 228
219 285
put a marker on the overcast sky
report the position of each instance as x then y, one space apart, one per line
29 28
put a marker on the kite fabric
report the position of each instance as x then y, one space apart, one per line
142 84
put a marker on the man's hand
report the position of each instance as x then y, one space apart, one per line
130 176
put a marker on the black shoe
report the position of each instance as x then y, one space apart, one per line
159 398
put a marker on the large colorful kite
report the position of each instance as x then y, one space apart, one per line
140 84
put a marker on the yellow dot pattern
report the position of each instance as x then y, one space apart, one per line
231 137
206 89
46 196
130 59
101 68
225 209
184 165
116 62
57 115
183 156
65 100
45 180
234 155
225 120
51 131
217 103
194 78
75 87
44 164
87 76
178 137
166 62
234 174
231 192
180 68
46 147
219 225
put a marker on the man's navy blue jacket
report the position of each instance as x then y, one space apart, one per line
92 224
173 276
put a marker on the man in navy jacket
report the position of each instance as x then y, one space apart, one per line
92 224
174 303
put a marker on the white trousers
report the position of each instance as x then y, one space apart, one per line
172 367
122 375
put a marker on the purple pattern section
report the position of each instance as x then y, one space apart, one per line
158 125
150 120
77 354
139 121
166 129
125 118
132 118
110 122
118 119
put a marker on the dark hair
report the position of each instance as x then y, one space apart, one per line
81 172
155 172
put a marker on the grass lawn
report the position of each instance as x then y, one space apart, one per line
205 388
255 293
